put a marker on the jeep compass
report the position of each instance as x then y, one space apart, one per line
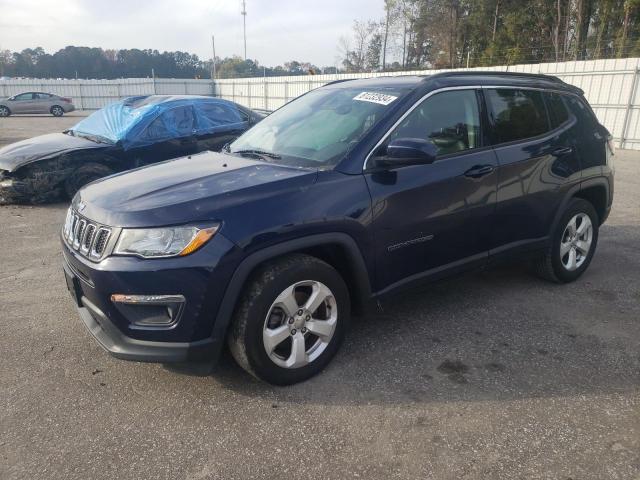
349 193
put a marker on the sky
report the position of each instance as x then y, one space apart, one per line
277 30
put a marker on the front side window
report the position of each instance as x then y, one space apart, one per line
450 120
319 128
516 114
24 96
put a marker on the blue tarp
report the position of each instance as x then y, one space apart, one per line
142 121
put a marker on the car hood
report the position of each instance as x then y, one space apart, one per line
190 189
43 147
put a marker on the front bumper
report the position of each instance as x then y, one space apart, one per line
126 348
200 278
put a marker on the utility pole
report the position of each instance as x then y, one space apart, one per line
244 26
213 61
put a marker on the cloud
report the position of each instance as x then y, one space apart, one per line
277 30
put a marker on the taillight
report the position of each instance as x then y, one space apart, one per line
65 99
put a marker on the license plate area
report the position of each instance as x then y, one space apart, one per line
73 285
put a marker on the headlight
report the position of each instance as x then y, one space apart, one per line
163 242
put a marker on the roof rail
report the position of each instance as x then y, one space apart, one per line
538 76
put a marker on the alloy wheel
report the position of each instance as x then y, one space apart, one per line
576 241
300 324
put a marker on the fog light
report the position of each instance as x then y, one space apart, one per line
145 311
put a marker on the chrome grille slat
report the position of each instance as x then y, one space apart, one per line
100 242
86 237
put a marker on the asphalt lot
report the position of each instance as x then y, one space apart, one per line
19 127
493 375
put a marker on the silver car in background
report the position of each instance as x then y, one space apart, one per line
36 102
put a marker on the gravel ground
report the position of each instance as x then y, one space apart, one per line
492 375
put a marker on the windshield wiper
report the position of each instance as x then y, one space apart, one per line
259 153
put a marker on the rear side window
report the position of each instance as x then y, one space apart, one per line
585 116
516 114
557 111
177 122
219 114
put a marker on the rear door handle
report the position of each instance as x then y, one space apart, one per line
558 152
478 171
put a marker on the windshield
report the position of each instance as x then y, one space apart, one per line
111 123
317 129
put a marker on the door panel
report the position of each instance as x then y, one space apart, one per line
431 217
22 103
536 164
428 216
532 180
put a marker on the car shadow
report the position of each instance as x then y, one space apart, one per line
499 335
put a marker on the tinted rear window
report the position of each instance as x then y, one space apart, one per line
557 111
516 114
586 118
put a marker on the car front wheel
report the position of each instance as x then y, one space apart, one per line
4 111
291 320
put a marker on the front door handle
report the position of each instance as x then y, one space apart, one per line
478 171
558 152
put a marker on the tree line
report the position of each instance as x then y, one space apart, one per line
416 34
86 62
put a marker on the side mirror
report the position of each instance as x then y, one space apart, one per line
408 151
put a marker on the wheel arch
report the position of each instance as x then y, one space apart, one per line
594 188
597 194
337 249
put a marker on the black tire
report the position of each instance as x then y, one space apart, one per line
245 337
57 111
4 111
85 174
549 265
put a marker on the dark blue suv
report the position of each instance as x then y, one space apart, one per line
349 193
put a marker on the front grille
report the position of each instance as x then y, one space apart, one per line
88 238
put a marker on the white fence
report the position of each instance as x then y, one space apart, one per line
611 86
94 94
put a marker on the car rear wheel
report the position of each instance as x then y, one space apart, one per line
291 320
4 111
57 111
87 173
573 244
